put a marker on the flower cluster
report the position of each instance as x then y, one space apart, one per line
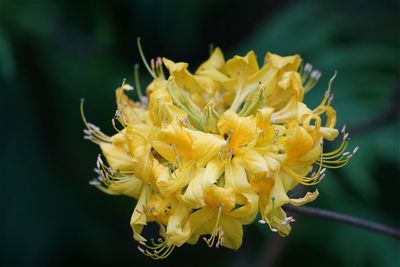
205 153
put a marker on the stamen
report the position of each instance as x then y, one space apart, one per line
157 251
92 132
137 84
273 118
316 74
343 129
218 232
330 99
307 67
144 59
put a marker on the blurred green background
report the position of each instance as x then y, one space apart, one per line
52 53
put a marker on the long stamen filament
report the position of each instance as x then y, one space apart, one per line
144 58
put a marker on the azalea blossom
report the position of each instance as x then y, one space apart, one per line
207 152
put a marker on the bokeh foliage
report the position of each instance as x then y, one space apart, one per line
52 53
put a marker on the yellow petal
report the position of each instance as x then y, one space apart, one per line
233 232
262 184
139 218
251 160
236 178
279 215
130 186
291 80
178 138
177 231
241 68
243 128
213 171
309 197
278 194
117 153
215 196
298 143
289 63
205 146
263 118
248 211
215 61
194 195
329 133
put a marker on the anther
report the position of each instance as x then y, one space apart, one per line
273 119
330 99
94 182
307 67
316 74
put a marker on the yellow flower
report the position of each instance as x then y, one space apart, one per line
205 153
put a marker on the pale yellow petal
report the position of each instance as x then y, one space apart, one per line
117 153
213 171
236 178
139 218
233 232
194 194
129 186
177 231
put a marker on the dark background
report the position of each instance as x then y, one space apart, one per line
52 53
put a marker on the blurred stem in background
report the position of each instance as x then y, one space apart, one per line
334 216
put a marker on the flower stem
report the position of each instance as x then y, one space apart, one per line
333 216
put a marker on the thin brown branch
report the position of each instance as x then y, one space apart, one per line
333 216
